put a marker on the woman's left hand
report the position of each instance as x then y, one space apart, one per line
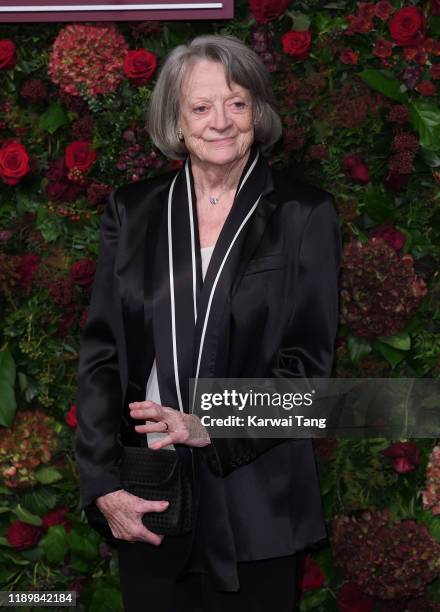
182 428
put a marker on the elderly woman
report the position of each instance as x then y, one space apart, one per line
225 268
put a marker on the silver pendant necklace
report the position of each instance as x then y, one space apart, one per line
213 199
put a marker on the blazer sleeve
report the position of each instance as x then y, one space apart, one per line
307 350
99 394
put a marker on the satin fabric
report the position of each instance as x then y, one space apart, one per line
273 312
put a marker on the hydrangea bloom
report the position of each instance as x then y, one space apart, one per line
88 55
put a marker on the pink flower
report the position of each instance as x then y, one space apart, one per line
405 455
356 169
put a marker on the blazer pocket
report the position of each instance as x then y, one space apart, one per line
265 263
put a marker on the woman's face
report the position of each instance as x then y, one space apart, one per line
216 121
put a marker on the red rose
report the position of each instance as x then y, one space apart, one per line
407 25
382 48
426 88
356 169
348 56
82 272
383 9
140 65
70 417
312 576
14 162
268 10
390 234
57 517
297 44
406 455
8 58
351 599
22 535
80 155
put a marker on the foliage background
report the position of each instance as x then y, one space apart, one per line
364 127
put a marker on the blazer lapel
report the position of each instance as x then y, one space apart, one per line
186 312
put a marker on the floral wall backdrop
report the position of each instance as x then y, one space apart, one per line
358 86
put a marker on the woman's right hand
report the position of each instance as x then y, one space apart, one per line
124 512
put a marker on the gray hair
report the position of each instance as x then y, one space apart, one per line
242 66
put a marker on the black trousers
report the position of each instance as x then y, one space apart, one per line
148 583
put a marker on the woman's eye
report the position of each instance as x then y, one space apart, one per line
239 105
200 109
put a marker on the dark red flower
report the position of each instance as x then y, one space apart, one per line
82 272
29 264
268 10
297 44
14 162
407 26
140 65
23 535
65 324
395 181
426 88
57 517
80 155
390 234
348 56
435 7
434 73
356 169
70 417
383 9
312 576
8 58
405 455
34 90
351 599
382 48
65 191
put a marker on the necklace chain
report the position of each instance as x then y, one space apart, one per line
213 199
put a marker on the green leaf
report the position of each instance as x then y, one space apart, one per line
39 500
434 590
431 521
313 600
358 348
425 118
4 541
377 204
8 405
47 475
106 599
301 22
434 25
401 341
53 118
55 543
385 82
83 545
26 516
393 356
430 158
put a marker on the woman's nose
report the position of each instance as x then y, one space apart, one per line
221 119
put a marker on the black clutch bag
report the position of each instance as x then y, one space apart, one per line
154 475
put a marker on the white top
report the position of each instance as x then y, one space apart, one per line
152 390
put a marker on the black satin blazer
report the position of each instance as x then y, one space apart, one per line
268 307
